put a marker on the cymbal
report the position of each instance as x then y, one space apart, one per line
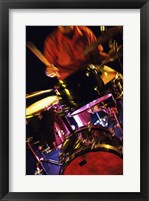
108 74
37 93
40 105
108 69
91 104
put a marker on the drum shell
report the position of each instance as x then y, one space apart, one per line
46 127
40 126
80 88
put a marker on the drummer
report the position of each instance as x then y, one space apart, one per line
64 50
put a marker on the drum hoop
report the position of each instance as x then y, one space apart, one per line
94 127
29 118
36 114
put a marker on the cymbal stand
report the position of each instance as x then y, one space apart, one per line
98 121
112 112
63 110
35 155
51 161
116 51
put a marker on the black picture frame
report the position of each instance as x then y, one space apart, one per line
5 5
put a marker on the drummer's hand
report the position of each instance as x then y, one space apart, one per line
107 56
111 59
112 55
51 71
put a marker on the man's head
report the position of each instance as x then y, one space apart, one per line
66 29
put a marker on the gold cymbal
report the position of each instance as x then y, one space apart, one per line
108 69
37 93
108 74
40 105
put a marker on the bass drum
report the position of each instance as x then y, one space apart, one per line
92 151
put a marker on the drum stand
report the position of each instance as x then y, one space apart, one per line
100 121
40 160
67 124
38 170
113 113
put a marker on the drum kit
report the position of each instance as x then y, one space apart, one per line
61 123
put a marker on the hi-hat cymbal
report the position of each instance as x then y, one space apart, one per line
37 93
41 104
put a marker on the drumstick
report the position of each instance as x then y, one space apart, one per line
34 49
40 56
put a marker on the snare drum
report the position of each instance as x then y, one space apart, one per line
94 152
80 88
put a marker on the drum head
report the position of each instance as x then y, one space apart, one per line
41 104
95 163
94 152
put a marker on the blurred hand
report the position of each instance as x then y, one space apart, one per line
51 71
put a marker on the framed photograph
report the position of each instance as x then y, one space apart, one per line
74 100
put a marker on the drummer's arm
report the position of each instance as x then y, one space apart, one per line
103 55
50 69
98 55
